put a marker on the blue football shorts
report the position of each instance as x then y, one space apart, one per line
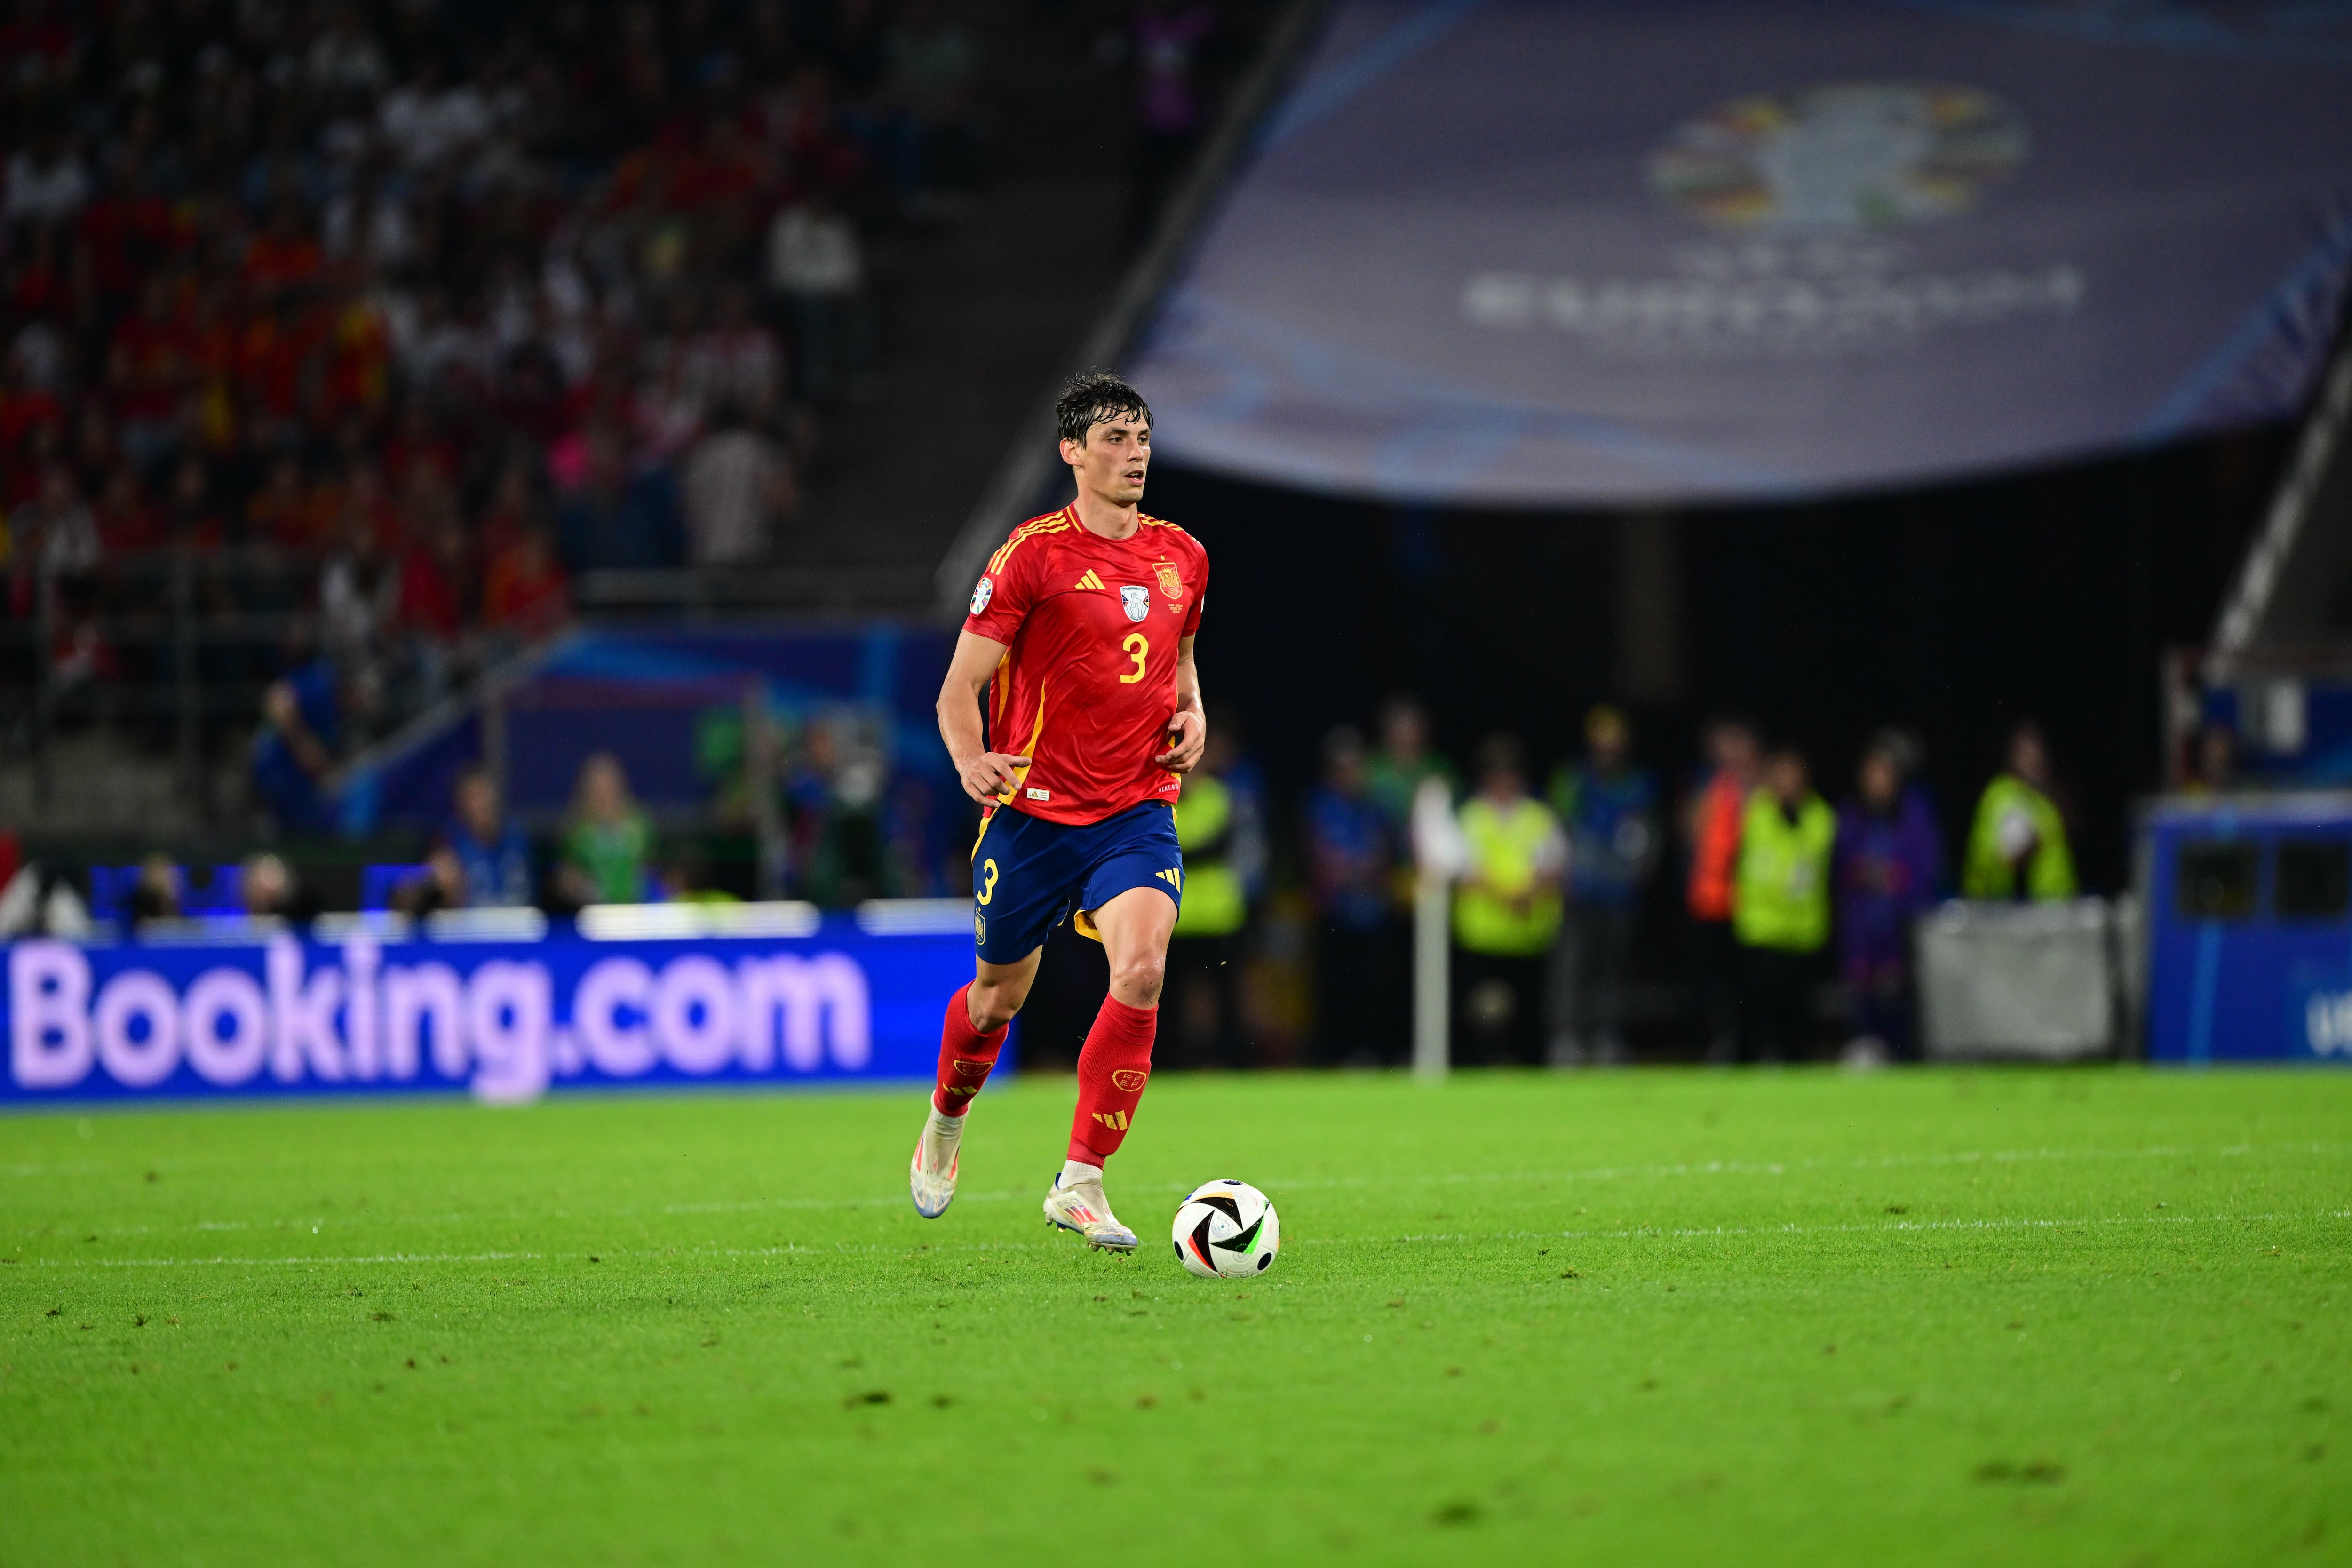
1029 875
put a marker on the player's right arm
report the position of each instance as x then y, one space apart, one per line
986 774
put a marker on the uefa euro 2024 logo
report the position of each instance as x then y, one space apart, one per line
1806 194
1839 157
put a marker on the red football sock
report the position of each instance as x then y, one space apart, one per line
1112 1067
965 1057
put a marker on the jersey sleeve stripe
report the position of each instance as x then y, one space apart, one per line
1055 523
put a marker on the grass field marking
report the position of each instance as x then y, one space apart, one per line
1634 1233
1321 1184
1588 1174
286 1262
1890 1227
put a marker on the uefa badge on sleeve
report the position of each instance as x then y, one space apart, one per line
981 591
1137 602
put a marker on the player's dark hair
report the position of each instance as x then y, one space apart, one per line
1093 397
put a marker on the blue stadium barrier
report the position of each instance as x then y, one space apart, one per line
495 1003
2249 908
222 892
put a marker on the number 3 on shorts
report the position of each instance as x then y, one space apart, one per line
1138 649
988 885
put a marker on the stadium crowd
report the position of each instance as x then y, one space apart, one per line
397 317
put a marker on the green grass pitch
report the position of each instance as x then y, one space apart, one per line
1647 1318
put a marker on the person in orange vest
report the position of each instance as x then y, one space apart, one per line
1713 824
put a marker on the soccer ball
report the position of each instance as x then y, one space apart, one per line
1226 1230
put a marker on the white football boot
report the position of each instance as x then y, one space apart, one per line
931 1177
1080 1206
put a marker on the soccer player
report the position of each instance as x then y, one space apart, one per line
1080 642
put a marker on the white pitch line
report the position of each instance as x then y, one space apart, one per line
1385 1181
282 1262
1638 1233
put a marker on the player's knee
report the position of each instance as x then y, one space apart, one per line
992 1007
1138 977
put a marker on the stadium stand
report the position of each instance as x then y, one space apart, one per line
388 337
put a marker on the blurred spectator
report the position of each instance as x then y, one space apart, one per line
57 530
306 722
442 887
1718 807
685 880
1222 832
1608 808
1889 870
1359 957
2017 847
1505 907
428 121
738 487
39 900
933 65
157 896
1780 912
273 892
617 522
1170 42
816 265
523 592
735 362
1394 773
46 181
148 362
359 594
608 840
492 857
834 797
125 520
2212 761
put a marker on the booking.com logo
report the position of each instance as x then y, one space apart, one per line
497 1028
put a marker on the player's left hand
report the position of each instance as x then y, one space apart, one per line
1190 736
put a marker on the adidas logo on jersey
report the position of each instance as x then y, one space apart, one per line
1090 579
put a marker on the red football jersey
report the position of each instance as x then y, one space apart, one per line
1087 685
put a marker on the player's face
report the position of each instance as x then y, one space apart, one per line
1111 462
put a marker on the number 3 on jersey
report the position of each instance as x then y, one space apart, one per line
988 888
1137 648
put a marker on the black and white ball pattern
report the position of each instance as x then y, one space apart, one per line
1226 1230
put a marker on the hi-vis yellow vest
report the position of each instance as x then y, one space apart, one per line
1784 883
1506 846
1215 904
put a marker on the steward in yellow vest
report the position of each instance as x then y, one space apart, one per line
1221 831
1508 904
1782 898
1507 907
1781 909
1215 902
2016 844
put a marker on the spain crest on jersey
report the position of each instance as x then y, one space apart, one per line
1138 601
1169 582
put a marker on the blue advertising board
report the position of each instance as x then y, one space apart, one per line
2250 929
800 999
